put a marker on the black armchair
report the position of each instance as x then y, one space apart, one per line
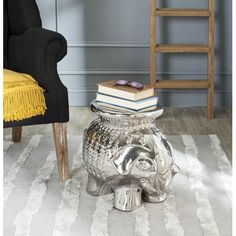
28 48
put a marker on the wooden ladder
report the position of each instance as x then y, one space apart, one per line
167 48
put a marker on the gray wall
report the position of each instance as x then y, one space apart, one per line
109 39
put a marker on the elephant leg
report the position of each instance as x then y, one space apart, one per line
97 187
152 194
154 197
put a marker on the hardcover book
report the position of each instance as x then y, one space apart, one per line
125 103
123 109
126 92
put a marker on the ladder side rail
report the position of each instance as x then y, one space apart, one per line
211 54
153 42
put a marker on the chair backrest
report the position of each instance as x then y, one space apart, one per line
6 33
19 15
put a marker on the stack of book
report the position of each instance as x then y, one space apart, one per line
126 98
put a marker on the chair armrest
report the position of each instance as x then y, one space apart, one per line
37 52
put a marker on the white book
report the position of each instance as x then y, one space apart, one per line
134 105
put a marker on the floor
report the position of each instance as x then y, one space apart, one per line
175 121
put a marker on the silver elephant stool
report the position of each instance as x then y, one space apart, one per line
126 154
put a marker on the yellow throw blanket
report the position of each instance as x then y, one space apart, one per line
22 97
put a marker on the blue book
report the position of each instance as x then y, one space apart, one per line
113 101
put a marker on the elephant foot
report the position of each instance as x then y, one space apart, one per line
154 197
152 192
97 187
127 197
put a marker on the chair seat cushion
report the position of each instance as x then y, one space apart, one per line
22 97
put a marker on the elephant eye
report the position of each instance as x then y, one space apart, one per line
144 165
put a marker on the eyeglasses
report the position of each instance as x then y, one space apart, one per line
132 84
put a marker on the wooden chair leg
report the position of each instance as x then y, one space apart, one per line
60 139
16 134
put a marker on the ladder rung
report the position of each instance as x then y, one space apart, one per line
182 12
172 48
182 84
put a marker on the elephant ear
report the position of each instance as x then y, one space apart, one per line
126 156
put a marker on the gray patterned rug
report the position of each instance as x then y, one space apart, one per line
36 203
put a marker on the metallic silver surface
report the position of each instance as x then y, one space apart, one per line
127 195
125 153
